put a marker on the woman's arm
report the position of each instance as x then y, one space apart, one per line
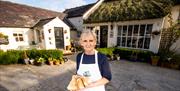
102 81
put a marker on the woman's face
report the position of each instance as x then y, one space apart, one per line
88 42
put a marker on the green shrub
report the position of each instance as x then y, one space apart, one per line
13 56
106 51
9 57
133 54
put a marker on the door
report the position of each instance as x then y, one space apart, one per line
59 37
103 36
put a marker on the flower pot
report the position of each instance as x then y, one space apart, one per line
174 66
31 61
62 62
56 62
38 63
118 58
50 62
154 60
26 61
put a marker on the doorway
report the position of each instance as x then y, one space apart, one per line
59 37
103 36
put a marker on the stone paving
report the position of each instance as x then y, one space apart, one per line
127 76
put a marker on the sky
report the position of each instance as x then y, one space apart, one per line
55 5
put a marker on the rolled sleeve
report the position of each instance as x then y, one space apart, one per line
105 68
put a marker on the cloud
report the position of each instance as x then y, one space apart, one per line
56 5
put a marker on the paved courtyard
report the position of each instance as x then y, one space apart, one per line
127 76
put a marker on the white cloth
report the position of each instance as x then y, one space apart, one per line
92 71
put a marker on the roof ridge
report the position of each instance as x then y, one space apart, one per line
80 6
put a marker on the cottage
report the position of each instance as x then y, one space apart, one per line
76 15
131 23
27 26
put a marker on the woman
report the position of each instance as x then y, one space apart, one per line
92 64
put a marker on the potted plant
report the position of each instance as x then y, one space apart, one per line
175 62
56 61
62 61
154 60
50 61
39 61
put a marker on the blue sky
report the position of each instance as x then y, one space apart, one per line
56 5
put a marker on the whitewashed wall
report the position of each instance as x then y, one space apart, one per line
112 41
12 42
55 23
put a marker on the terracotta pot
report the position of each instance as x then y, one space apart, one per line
56 63
154 60
50 62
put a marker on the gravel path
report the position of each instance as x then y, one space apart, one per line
127 76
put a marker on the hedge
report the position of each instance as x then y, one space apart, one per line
128 54
16 56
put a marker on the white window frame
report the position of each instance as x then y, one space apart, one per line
18 37
132 36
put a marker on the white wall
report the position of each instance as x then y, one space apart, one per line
112 41
55 23
12 42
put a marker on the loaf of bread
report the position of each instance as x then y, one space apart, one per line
85 81
73 84
80 83
77 82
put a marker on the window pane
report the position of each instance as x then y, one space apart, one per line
124 30
118 41
134 40
136 27
14 34
146 43
20 34
130 30
17 39
21 39
140 43
142 30
119 30
129 42
149 29
123 41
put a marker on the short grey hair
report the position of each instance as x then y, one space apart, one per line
87 32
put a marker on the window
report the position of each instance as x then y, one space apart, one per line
39 36
49 30
18 37
134 36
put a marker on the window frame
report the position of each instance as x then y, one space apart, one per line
134 37
19 36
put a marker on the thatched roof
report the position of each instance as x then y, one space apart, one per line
123 10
